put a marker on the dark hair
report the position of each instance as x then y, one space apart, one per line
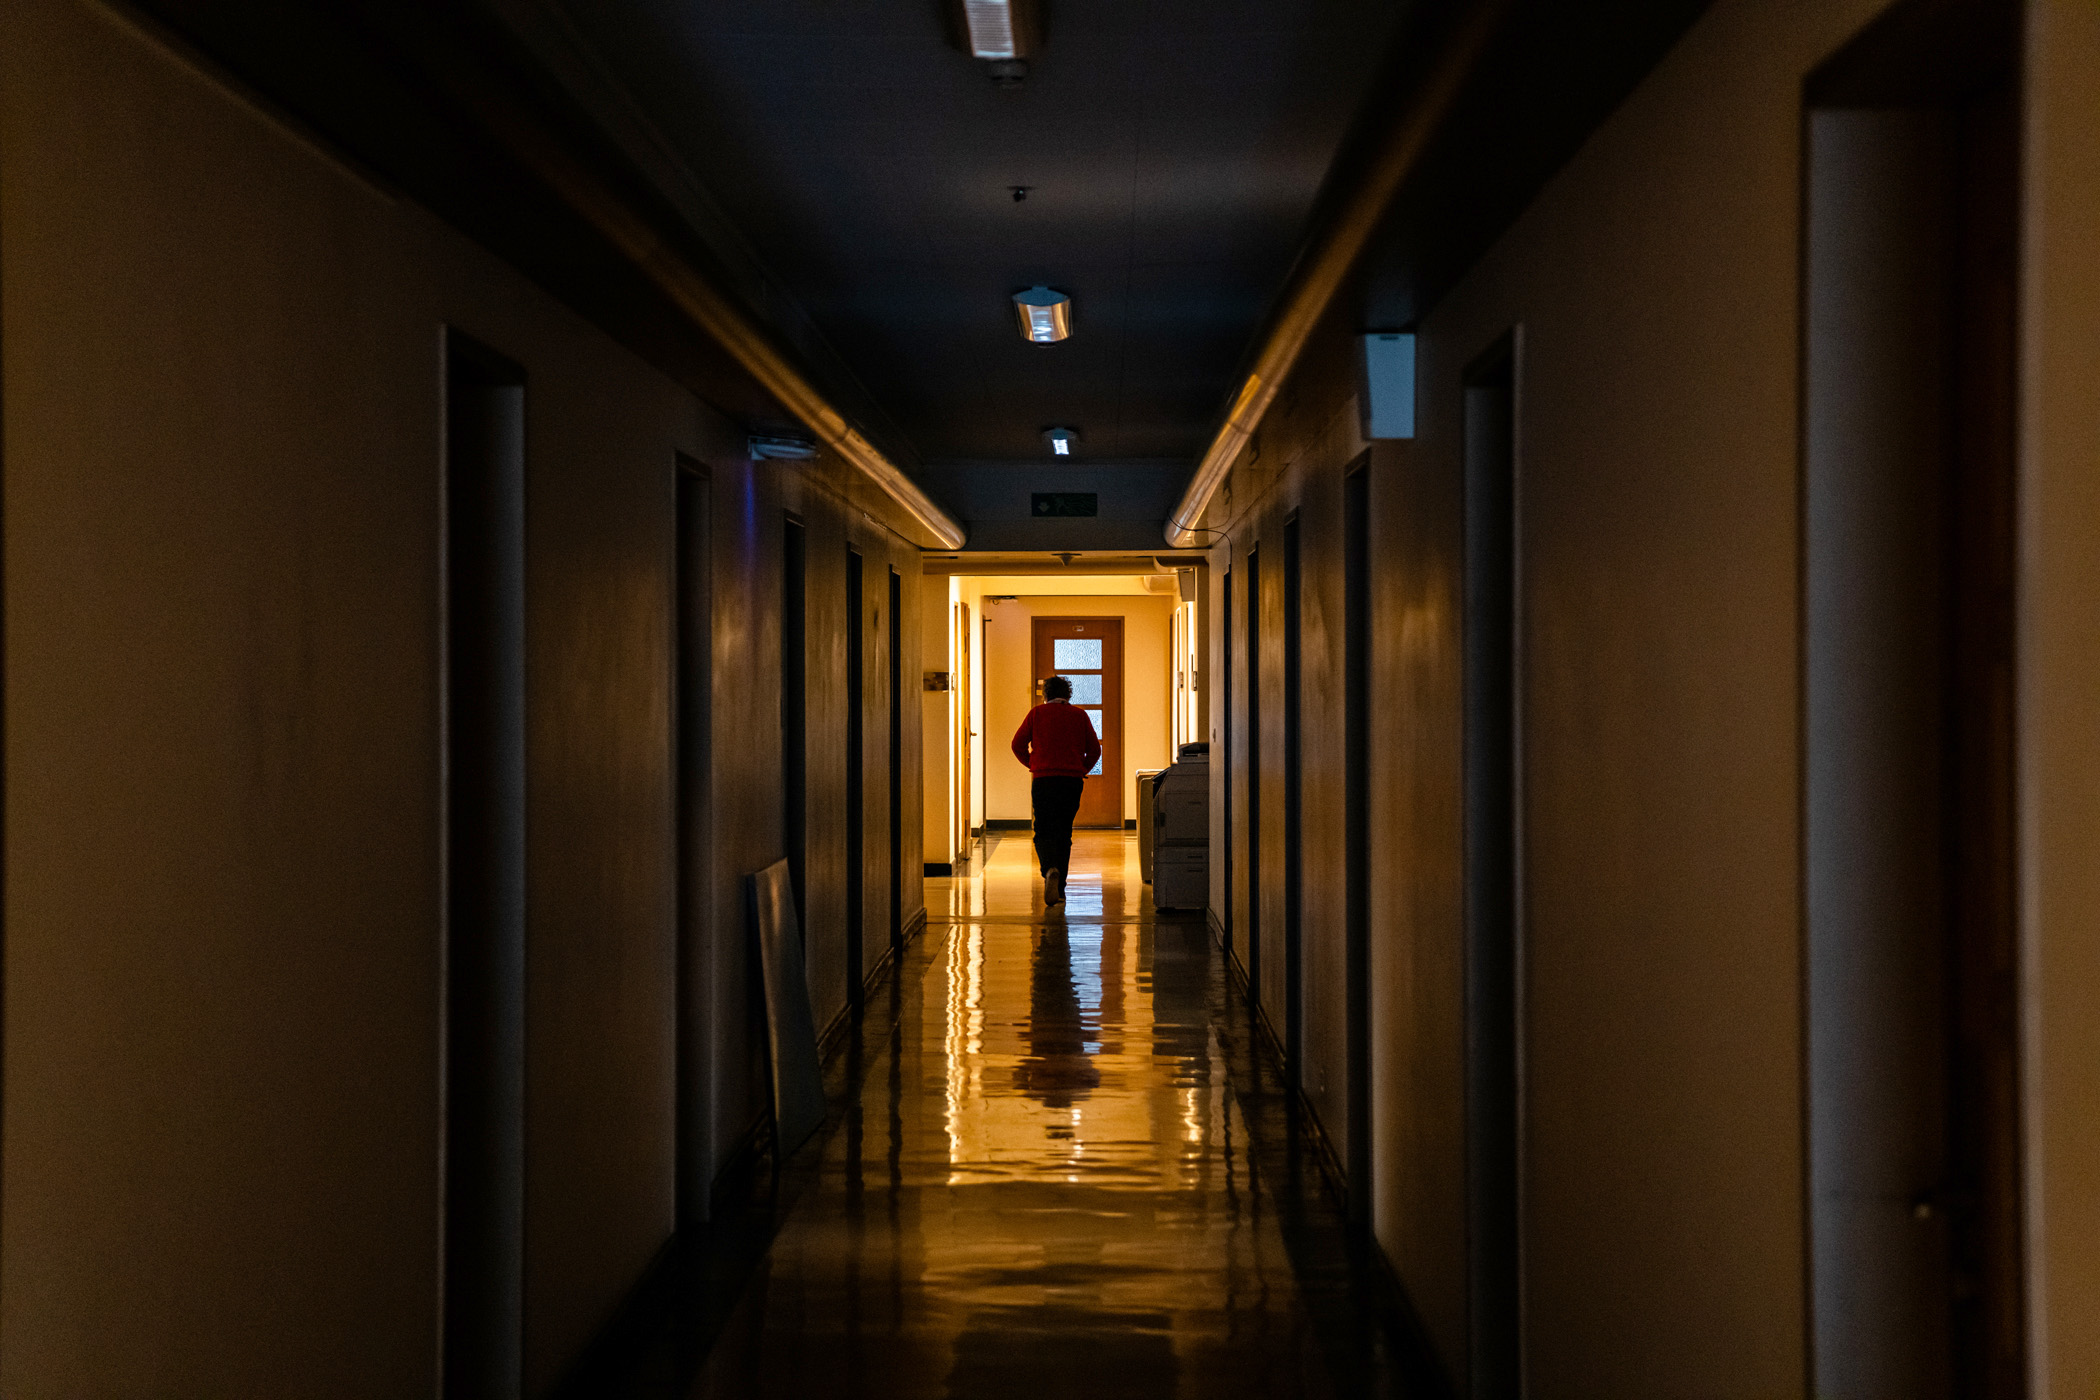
1057 688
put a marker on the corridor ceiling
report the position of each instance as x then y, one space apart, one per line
845 173
1170 149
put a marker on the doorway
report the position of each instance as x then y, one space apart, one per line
794 710
1225 750
856 788
484 852
1088 651
964 732
1912 191
980 800
1493 877
693 742
1356 825
1254 757
895 650
1293 974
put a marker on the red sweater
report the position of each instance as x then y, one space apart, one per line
1057 740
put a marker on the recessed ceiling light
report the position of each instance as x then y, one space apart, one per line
1061 440
1045 315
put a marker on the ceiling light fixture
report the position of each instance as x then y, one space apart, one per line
1061 440
1046 316
763 447
1004 33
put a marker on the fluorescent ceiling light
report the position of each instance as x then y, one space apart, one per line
1061 440
997 29
1045 315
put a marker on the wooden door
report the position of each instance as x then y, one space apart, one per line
1088 652
963 730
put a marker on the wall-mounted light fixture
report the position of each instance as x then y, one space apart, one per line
1045 316
1004 33
1061 440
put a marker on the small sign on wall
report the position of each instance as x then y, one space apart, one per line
940 680
1386 388
1053 504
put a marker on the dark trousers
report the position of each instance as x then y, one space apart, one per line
1056 803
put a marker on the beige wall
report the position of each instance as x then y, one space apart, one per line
2060 685
1009 691
1655 285
937 718
221 372
222 974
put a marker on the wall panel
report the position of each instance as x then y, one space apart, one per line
2059 679
1656 283
220 405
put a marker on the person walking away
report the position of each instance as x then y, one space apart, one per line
1058 744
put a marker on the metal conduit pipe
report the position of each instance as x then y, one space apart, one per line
1327 261
716 314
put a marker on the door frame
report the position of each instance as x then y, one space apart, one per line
963 730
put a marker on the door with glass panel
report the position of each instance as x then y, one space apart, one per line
1088 652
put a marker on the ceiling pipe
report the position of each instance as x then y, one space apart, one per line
754 350
1327 261
712 310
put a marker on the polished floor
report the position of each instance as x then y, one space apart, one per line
1056 1166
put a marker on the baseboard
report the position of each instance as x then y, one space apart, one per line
1425 1372
872 978
1234 971
1330 1161
942 869
746 1160
835 1034
1130 823
634 1322
1423 1368
1008 824
885 966
686 1296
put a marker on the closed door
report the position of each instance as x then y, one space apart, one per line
963 731
1088 652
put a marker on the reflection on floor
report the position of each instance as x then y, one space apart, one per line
1056 1168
